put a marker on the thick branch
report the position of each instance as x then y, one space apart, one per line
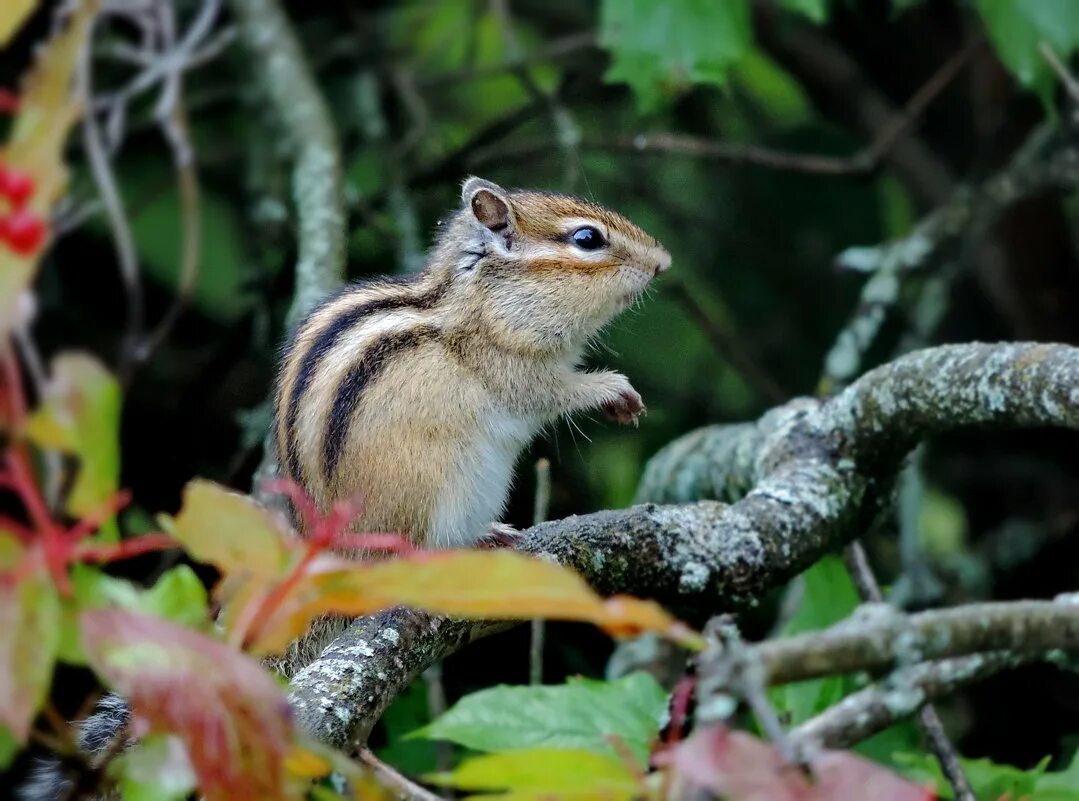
813 464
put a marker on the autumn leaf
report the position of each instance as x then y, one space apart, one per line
13 14
544 773
48 109
230 531
29 639
739 767
80 415
231 716
514 586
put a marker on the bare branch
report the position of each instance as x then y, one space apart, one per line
878 637
866 712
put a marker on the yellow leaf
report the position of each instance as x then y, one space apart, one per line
13 14
305 764
80 415
544 773
48 108
470 584
230 531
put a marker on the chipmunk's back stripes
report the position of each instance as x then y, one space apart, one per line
329 337
375 359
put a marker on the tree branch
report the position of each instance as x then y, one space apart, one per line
316 176
862 714
813 464
317 186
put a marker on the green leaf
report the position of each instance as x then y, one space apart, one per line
777 92
828 596
1017 29
580 714
988 779
411 756
9 747
177 595
816 10
29 638
80 415
544 773
156 769
662 48
1059 786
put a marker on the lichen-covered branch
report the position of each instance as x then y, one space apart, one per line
1049 159
317 187
866 712
316 176
879 638
814 467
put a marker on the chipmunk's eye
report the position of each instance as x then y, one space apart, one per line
588 238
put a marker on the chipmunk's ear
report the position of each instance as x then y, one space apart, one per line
489 204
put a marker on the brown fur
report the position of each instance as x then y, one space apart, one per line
420 404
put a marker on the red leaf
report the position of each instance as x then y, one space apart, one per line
227 710
739 767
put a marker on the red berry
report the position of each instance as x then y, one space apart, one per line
9 102
16 186
23 231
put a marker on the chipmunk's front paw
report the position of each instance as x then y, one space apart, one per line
500 535
626 407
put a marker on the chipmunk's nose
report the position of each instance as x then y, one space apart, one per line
663 264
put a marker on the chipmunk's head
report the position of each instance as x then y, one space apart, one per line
552 269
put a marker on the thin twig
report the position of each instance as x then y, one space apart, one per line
52 460
864 161
928 719
174 123
436 707
540 508
553 50
727 344
402 787
866 712
119 223
566 130
1067 78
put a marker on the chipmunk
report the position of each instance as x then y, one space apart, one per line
417 394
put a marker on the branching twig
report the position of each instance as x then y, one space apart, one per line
866 712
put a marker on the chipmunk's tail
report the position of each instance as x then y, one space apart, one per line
50 780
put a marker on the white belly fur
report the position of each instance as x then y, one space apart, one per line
483 474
